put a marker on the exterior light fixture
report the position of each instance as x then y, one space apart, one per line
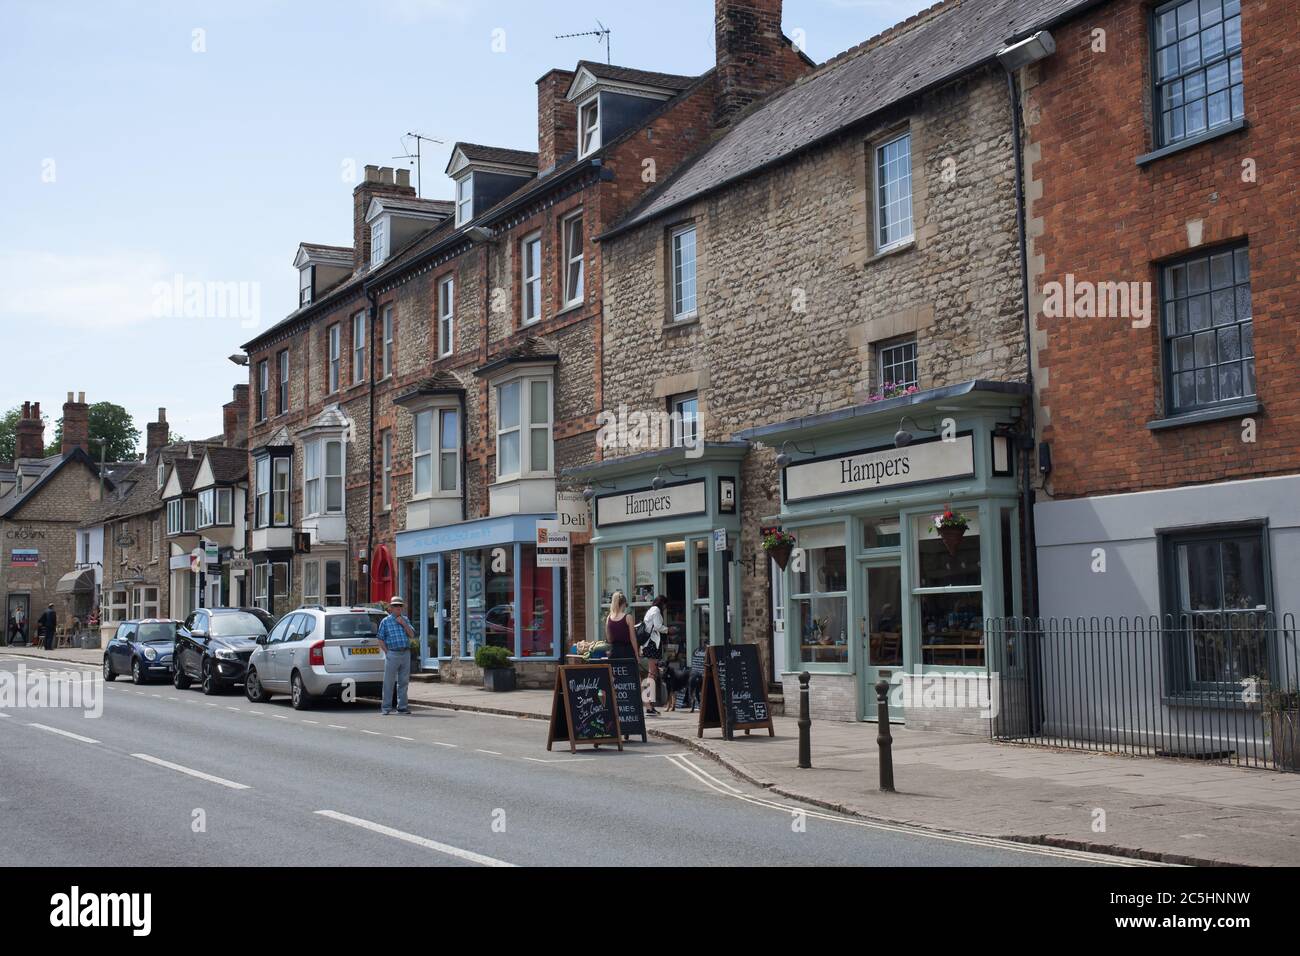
783 459
1027 51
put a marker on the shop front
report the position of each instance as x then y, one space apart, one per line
876 589
667 523
480 583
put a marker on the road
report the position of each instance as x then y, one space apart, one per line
174 778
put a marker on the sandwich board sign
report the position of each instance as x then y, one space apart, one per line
584 709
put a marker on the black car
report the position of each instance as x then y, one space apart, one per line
214 645
142 649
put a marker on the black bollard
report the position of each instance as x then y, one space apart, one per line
884 738
805 724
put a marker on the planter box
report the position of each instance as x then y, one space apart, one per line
499 679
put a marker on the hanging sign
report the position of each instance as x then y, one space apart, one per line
574 515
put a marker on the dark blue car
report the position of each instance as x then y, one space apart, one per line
142 649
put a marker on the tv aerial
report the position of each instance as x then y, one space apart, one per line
602 35
420 140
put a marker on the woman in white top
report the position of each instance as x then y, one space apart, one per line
653 649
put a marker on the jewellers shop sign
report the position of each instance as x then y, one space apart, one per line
649 504
876 469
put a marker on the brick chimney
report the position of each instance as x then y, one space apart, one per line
234 419
156 434
30 433
557 119
754 57
379 181
76 424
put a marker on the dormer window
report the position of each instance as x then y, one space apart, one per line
589 127
162 475
378 242
306 275
464 200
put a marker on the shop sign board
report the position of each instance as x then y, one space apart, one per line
880 468
650 504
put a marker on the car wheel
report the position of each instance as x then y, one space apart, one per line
253 688
301 699
109 675
137 675
211 684
180 680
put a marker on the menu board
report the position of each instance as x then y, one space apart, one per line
734 679
698 660
583 708
627 694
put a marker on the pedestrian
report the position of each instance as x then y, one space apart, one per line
396 633
19 626
652 646
619 630
49 624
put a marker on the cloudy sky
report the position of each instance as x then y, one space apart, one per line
150 145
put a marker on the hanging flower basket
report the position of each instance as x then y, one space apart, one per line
951 526
779 545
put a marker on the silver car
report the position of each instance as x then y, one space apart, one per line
316 652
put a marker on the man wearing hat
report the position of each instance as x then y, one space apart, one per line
396 633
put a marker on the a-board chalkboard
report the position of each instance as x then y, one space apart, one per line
627 692
698 660
583 709
733 678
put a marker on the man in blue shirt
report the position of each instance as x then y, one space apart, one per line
395 632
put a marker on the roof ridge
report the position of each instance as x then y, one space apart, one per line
889 33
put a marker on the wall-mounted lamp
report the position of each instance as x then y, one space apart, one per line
783 459
590 491
902 437
657 482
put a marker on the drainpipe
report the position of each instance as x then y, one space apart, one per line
373 298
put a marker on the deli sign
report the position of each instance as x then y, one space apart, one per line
876 469
648 504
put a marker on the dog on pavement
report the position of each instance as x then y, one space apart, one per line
679 678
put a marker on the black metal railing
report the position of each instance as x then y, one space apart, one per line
1220 687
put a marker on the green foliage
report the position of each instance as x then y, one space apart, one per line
111 427
491 658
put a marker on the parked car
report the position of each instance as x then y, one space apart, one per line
142 649
214 645
316 652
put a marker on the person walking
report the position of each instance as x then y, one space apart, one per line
652 648
619 630
49 623
395 632
19 626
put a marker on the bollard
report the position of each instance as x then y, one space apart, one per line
884 738
805 724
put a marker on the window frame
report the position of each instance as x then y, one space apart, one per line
446 307
282 383
525 425
889 345
570 300
530 284
386 349
334 338
263 388
677 287
378 241
316 501
306 285
878 184
359 347
429 444
589 132
1158 134
386 469
464 200
677 417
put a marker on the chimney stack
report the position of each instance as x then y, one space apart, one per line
30 433
557 119
378 181
234 419
156 434
76 424
754 58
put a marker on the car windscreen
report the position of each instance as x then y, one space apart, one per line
156 633
342 626
239 624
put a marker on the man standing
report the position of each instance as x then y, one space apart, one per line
49 622
396 633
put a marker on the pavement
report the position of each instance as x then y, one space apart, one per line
1145 808
163 777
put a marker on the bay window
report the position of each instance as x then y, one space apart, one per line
271 492
524 419
280 492
436 458
181 516
262 493
323 477
214 507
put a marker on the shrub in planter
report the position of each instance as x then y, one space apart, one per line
498 669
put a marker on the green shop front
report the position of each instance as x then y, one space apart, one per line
667 523
873 591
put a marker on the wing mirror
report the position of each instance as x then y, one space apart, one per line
261 639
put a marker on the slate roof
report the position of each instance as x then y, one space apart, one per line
229 465
531 349
440 207
623 74
38 471
496 154
932 48
340 256
439 383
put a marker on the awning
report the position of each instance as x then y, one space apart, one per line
83 580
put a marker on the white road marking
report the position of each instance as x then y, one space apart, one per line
64 733
173 698
439 743
338 727
467 855
159 696
1078 856
3 714
199 774
492 752
399 737
305 721
559 759
279 716
372 733
235 709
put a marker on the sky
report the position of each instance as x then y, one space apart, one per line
151 148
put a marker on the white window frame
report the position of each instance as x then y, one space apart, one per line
530 282
155 540
464 200
263 389
446 316
189 511
335 350
175 517
572 298
311 592
262 491
206 508
679 430
681 311
386 352
878 184
429 447
386 466
317 480
281 468
589 129
378 241
358 348
306 279
889 346
262 586
526 426
282 385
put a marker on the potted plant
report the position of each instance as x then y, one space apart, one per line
951 526
778 544
1282 707
890 390
498 669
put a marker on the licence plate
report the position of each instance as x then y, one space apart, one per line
371 651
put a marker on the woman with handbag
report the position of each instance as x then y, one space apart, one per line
651 634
